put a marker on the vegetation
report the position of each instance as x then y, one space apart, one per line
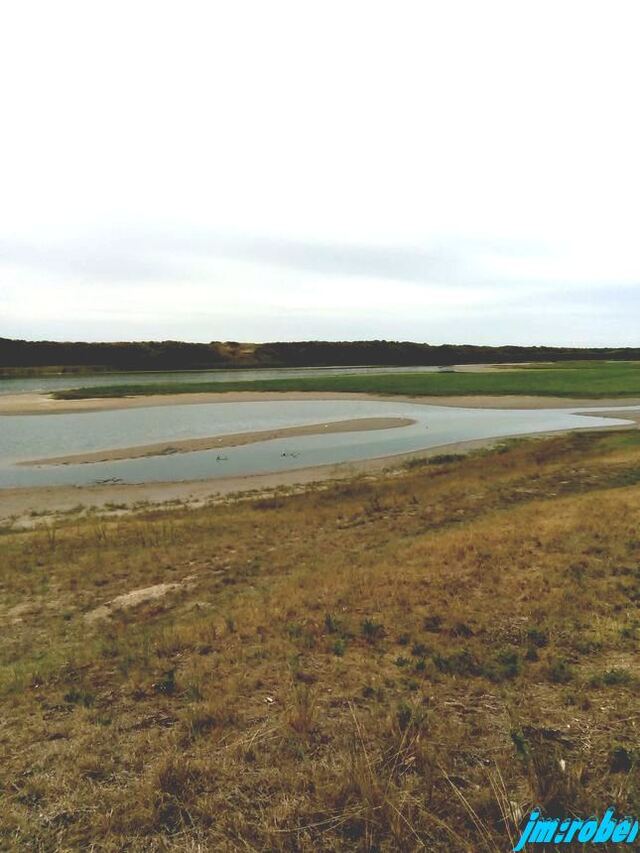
388 663
178 355
603 379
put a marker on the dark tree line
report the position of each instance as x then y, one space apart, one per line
177 355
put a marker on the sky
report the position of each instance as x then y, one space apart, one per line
441 170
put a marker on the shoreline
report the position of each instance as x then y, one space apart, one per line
23 507
29 403
18 502
188 445
27 504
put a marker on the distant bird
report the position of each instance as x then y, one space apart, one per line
221 458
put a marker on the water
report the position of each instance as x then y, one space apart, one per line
36 436
48 384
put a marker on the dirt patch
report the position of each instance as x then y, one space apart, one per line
136 597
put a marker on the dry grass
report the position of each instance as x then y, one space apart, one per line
397 663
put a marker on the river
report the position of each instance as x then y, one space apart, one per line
28 437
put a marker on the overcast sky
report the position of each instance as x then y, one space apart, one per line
438 170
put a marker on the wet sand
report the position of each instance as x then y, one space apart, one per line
43 404
213 442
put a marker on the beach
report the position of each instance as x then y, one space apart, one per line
44 404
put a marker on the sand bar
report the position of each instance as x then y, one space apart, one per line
187 445
43 404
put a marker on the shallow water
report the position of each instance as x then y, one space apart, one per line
27 437
48 384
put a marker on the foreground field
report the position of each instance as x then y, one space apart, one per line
401 663
579 379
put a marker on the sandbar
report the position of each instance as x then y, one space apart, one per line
164 448
42 404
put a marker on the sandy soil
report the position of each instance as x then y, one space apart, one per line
212 442
136 597
42 404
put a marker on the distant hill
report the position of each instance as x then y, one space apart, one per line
176 355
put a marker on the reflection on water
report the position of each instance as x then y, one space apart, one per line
48 384
36 436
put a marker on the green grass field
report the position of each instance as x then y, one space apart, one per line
599 379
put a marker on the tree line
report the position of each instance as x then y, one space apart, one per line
178 355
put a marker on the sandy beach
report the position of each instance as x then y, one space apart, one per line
43 404
213 442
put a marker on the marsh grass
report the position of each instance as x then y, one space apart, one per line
576 379
401 664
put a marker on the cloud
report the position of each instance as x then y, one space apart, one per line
138 255
438 171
